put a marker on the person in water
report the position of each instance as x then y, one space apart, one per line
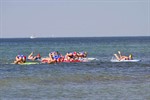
70 56
49 59
58 57
82 54
31 57
53 58
20 59
120 57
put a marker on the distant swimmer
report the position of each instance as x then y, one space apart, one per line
20 59
120 57
33 58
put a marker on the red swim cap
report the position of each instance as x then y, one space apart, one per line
75 53
25 57
38 55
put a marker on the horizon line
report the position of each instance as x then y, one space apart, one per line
70 37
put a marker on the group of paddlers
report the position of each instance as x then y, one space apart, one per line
58 57
52 58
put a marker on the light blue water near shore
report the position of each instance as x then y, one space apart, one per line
95 80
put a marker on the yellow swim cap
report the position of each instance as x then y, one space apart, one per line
130 55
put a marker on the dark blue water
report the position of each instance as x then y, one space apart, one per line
95 80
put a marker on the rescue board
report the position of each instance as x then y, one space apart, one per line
28 63
134 60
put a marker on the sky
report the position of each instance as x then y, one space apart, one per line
74 18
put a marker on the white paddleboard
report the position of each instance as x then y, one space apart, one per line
88 59
134 60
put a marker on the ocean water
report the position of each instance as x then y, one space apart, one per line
95 80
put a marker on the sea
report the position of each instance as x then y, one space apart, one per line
98 79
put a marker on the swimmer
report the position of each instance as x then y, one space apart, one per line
20 59
120 57
33 58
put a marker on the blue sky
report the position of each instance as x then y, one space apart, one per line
74 18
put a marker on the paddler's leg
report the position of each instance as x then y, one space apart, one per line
30 56
117 56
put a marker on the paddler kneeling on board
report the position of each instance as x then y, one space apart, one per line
20 59
120 57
